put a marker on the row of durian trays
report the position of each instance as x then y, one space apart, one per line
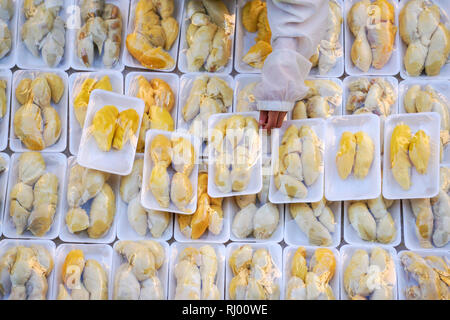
21 57
281 259
286 229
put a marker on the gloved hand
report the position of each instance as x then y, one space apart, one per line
297 27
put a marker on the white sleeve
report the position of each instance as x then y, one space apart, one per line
297 27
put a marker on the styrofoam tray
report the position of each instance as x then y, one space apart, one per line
338 70
4 122
275 252
288 254
75 63
126 232
148 201
294 236
346 92
315 192
409 230
55 163
240 82
75 82
256 174
277 235
109 236
352 188
6 244
129 60
422 186
14 143
442 87
3 184
182 61
404 280
351 236
444 5
102 253
186 83
208 236
176 248
9 61
346 253
118 162
26 60
391 68
162 273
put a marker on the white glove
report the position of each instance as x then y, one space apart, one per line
297 27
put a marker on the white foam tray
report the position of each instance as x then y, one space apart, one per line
4 122
294 236
75 63
3 184
392 67
405 280
351 236
315 192
162 273
288 254
182 61
9 61
445 71
6 244
126 232
129 60
347 252
256 174
118 162
55 163
277 235
208 236
148 201
102 253
14 143
75 82
25 59
352 188
176 248
422 186
443 89
275 252
109 236
346 92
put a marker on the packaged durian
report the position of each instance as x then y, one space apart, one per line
170 174
253 36
27 269
298 162
352 159
160 94
111 132
197 271
207 36
134 220
34 199
90 205
254 271
83 272
368 273
5 106
311 273
201 96
411 156
8 25
140 270
39 111
152 34
81 86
